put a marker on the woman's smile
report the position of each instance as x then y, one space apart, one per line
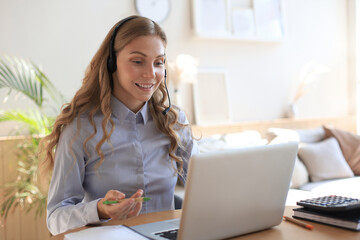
144 86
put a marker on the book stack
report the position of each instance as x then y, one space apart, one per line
345 219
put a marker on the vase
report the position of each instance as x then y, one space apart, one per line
292 111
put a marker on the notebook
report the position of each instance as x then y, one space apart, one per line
345 219
232 192
106 232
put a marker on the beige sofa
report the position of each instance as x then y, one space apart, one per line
321 167
328 162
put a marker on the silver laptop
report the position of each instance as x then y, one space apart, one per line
230 193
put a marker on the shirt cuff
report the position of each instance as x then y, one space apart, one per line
91 213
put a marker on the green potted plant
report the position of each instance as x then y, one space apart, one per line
25 77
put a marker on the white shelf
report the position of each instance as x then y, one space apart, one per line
242 20
239 38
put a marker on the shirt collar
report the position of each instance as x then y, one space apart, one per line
121 112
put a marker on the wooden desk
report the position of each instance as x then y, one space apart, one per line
285 230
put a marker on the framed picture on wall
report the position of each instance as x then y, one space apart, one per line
210 17
243 22
268 18
254 20
211 102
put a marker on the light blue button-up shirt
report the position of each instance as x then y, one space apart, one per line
137 157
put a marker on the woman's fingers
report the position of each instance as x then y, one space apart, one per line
138 193
137 206
121 210
106 211
136 210
114 195
124 209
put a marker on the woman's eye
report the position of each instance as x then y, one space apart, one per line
159 63
137 61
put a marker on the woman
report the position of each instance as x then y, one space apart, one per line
117 138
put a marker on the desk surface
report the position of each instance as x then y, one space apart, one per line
285 230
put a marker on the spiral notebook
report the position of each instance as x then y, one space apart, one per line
347 219
107 232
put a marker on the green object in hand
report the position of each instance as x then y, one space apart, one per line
140 199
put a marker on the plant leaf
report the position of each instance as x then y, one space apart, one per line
20 76
13 76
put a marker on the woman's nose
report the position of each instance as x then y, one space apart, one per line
149 72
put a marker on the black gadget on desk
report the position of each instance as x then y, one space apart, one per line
331 203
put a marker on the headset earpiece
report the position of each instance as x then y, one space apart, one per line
111 61
111 65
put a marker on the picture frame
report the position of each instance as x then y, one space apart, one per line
269 18
247 20
210 17
243 22
211 101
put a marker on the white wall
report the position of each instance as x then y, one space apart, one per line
63 35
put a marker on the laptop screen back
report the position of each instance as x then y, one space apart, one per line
234 192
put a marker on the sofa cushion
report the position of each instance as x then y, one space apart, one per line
299 135
347 187
324 160
243 139
300 174
350 146
213 143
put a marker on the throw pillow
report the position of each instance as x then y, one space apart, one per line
244 139
350 146
311 135
300 175
298 135
324 160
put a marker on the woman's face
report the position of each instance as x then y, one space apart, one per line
140 70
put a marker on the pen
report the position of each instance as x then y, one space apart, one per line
300 223
140 199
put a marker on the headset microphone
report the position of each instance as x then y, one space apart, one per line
167 92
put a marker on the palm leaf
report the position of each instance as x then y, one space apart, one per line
19 76
56 97
7 205
32 120
25 77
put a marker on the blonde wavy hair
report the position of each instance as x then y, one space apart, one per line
95 94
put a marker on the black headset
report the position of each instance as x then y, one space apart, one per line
111 61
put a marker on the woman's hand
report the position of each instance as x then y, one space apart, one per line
125 209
